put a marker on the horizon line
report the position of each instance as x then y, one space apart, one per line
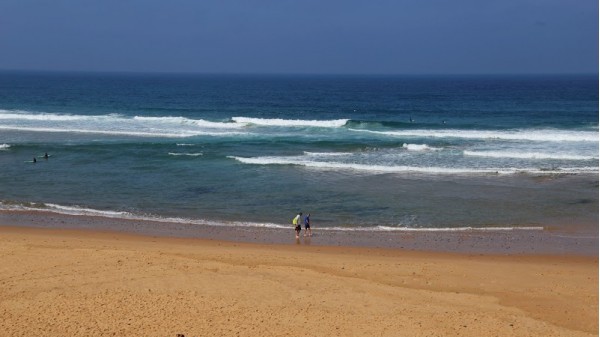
198 73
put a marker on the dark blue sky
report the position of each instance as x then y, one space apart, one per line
302 36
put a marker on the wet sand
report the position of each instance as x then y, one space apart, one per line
579 240
57 282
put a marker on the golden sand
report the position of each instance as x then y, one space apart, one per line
83 283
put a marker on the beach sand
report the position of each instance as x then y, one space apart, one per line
57 282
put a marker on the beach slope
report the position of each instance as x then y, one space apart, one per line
85 283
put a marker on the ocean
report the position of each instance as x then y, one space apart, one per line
359 153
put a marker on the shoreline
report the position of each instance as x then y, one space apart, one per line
94 283
501 242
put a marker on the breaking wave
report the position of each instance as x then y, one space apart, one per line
115 124
419 147
291 122
549 135
527 155
302 161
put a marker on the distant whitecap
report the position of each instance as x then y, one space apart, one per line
291 122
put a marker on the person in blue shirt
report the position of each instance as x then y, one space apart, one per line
307 229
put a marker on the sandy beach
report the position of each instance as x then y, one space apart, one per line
162 163
57 282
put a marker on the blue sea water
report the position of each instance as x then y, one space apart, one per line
357 152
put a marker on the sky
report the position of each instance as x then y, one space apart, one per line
301 36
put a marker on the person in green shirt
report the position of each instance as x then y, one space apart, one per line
297 225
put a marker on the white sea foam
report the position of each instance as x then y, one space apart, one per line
114 124
46 117
187 121
172 134
548 135
77 210
302 161
431 229
291 122
527 155
4 147
82 211
143 126
185 154
327 154
184 144
419 147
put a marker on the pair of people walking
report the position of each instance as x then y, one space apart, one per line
297 223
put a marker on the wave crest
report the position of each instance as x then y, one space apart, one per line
185 154
114 124
550 135
375 169
526 155
291 122
419 147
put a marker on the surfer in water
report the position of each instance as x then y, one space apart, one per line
46 155
34 160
